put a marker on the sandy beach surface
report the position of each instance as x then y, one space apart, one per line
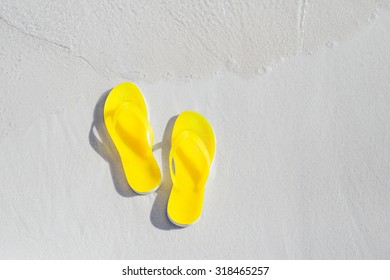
298 94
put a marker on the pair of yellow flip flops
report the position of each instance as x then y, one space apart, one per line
192 151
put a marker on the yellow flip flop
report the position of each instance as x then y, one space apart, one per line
192 152
127 121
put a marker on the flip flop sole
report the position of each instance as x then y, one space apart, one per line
193 148
126 116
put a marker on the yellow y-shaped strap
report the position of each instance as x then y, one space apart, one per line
199 143
134 110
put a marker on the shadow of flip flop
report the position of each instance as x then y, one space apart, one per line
158 215
101 142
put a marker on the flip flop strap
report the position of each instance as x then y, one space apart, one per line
198 141
131 107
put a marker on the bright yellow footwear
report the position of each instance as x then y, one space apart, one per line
192 152
127 121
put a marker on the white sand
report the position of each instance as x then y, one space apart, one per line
149 39
303 159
